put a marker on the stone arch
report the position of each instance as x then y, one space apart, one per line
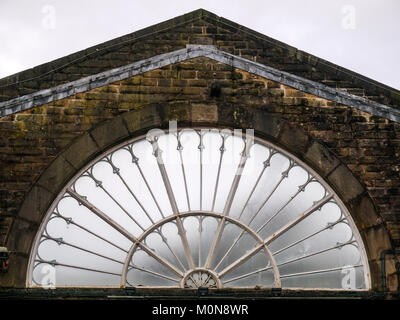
134 123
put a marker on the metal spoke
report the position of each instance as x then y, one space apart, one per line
180 148
167 184
201 148
151 192
61 241
194 281
309 236
291 275
317 205
288 226
248 274
320 271
83 201
55 263
69 220
230 249
100 185
222 150
200 238
164 239
153 273
122 230
284 176
266 164
117 172
135 160
340 245
301 188
235 183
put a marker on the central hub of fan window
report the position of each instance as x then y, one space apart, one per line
200 278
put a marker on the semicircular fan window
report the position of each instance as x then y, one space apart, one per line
198 208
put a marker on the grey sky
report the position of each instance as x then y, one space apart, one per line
35 32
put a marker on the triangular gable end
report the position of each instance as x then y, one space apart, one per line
197 27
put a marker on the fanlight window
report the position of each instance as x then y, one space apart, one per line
198 208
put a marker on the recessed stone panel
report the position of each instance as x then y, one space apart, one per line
204 113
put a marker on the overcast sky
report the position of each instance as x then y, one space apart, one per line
361 35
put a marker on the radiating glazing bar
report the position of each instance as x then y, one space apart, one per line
291 224
309 236
122 230
316 253
247 274
171 197
201 148
284 176
88 231
60 241
301 188
300 218
222 150
180 148
55 263
151 192
117 172
153 273
266 164
200 238
320 271
235 183
164 239
100 185
254 216
135 160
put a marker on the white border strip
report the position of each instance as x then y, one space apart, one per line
194 51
